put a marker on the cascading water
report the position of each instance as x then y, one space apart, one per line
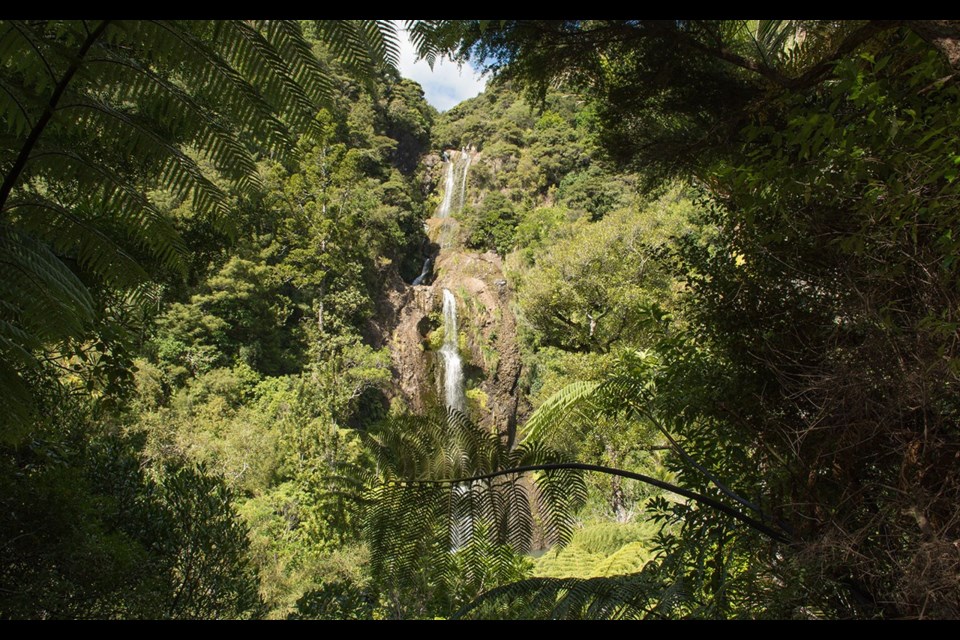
448 187
454 395
458 165
424 273
462 524
463 182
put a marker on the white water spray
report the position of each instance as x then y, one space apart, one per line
458 166
448 187
424 273
454 395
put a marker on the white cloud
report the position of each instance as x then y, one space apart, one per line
444 86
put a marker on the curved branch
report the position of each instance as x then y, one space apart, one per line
808 78
725 54
686 493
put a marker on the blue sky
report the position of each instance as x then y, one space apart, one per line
446 85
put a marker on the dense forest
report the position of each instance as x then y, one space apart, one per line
663 324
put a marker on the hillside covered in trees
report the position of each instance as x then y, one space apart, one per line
660 325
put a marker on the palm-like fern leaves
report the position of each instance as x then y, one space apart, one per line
449 507
94 114
669 587
362 45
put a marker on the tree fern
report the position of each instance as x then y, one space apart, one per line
434 38
554 411
684 581
450 507
94 114
363 46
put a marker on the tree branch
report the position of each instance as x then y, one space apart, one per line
722 53
942 34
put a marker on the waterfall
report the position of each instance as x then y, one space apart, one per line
424 273
461 529
448 187
454 198
452 364
457 168
462 524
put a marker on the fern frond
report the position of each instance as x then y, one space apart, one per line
75 233
289 41
632 387
434 39
44 299
772 37
362 45
183 117
261 64
426 526
554 411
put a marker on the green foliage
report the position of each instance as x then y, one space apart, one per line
335 601
840 259
556 148
297 528
94 531
648 594
779 353
602 549
134 153
593 192
211 575
812 351
556 409
409 120
536 228
602 283
671 95
239 314
492 225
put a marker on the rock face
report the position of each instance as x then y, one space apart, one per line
488 339
411 306
490 332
